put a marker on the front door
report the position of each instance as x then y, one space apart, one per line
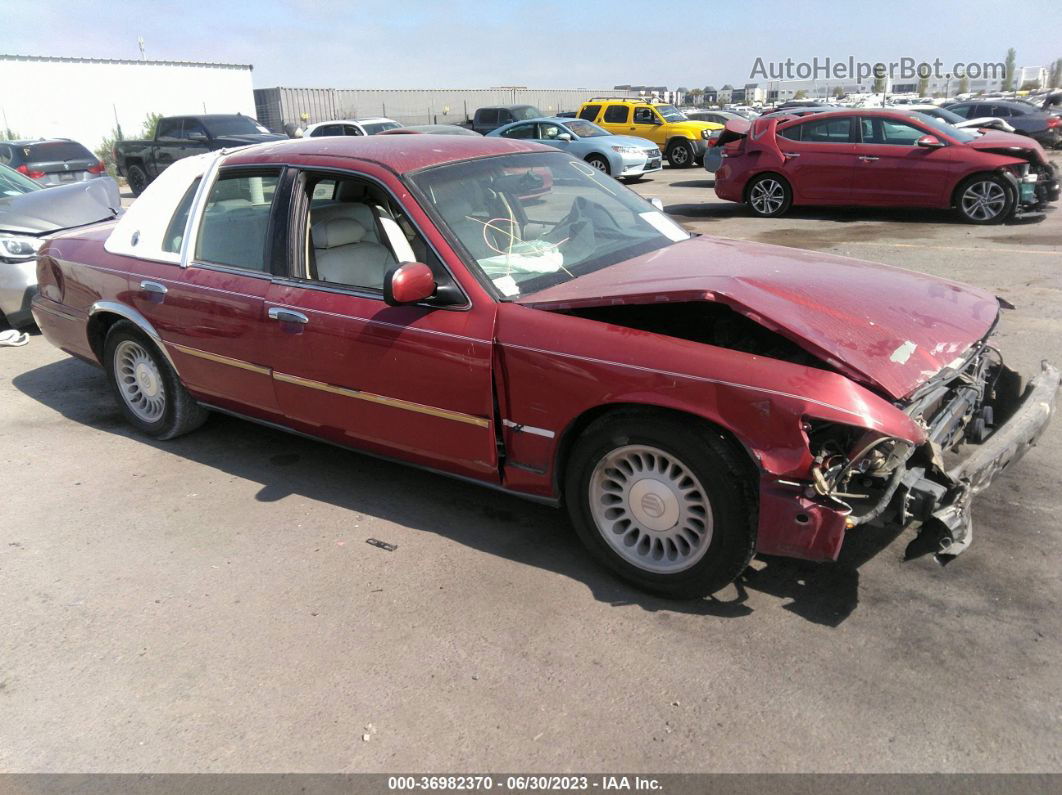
412 382
646 123
892 170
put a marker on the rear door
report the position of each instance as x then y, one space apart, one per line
168 145
820 158
893 171
210 311
412 382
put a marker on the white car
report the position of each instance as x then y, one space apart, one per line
350 127
954 119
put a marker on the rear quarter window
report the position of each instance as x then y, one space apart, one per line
487 116
617 114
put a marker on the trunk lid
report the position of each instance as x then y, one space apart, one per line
885 327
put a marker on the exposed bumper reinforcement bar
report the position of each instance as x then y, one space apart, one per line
950 523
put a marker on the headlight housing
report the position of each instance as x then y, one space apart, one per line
627 150
19 248
709 134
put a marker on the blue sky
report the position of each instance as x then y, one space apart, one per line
545 44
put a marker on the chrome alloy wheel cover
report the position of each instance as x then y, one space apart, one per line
767 196
984 200
651 509
599 164
139 381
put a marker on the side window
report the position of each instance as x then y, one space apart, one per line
488 116
505 117
590 112
898 133
791 133
174 236
5 154
1000 110
168 128
828 131
962 110
327 130
520 131
354 240
323 191
617 114
549 132
236 220
193 130
350 129
644 116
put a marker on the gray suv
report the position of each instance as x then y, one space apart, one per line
52 161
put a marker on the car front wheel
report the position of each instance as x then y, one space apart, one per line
146 387
667 508
599 163
680 154
769 195
985 199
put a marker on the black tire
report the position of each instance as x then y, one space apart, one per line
600 163
137 179
769 195
680 154
704 453
998 195
180 414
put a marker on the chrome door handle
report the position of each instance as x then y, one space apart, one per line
156 293
868 158
287 315
788 155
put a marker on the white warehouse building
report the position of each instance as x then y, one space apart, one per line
86 98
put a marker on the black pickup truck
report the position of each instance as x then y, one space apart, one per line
183 136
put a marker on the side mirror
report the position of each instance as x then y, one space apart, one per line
409 283
929 142
564 137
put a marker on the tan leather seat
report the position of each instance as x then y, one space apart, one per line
344 256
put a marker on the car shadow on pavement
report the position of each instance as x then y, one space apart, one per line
493 522
710 211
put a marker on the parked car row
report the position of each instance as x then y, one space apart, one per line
881 158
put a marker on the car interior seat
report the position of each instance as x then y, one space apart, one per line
344 254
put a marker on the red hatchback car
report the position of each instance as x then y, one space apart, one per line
690 400
879 158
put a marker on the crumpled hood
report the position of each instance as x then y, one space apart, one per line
41 212
998 141
888 328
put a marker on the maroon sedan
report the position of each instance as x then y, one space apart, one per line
690 400
878 158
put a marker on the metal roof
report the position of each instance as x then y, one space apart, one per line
125 61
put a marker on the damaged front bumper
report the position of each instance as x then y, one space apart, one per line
941 498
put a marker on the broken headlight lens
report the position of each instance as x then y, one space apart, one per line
842 452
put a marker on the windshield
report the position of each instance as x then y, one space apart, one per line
948 129
14 184
530 221
671 113
374 127
525 112
234 125
585 129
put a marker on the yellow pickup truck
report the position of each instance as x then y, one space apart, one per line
682 140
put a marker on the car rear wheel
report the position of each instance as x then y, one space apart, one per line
599 163
137 179
680 154
985 199
664 506
146 387
769 195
